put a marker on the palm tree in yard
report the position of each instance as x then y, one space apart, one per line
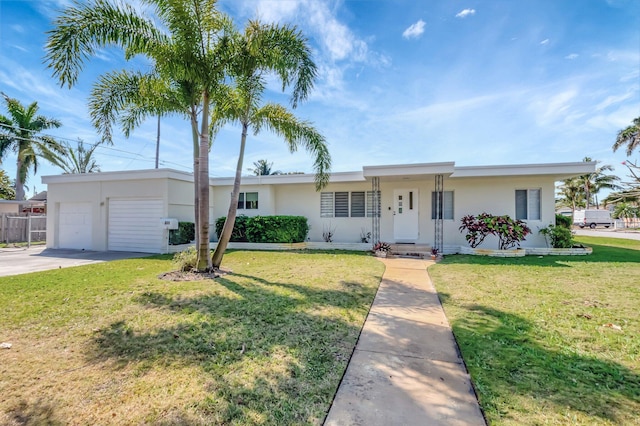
185 45
571 193
260 50
74 160
629 136
21 132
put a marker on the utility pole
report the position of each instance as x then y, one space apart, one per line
158 143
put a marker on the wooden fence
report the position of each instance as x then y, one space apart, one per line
16 227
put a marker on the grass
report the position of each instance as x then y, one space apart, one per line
538 335
111 343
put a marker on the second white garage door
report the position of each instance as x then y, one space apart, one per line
135 225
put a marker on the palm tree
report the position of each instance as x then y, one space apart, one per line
264 168
630 136
571 193
596 181
78 160
185 43
21 132
260 50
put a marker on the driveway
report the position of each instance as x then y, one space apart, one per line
15 261
611 233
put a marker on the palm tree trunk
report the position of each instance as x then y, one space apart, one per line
227 229
196 168
204 259
19 182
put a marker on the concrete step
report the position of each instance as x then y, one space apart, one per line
419 251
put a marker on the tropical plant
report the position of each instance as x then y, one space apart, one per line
21 132
571 194
629 136
185 43
625 210
592 183
264 168
7 191
262 50
510 232
382 246
74 160
559 236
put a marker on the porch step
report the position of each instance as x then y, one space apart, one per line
419 251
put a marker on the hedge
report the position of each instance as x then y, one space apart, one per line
267 229
185 233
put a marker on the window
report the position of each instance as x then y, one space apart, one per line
248 200
357 204
349 204
528 204
445 208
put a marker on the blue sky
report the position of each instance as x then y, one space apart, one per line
405 81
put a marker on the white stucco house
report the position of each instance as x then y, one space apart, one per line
410 203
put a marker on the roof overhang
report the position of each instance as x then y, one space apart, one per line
408 171
289 179
118 176
558 171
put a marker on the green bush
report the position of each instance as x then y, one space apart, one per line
560 236
239 233
277 229
185 233
564 221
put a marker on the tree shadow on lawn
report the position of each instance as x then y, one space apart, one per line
294 341
503 354
601 253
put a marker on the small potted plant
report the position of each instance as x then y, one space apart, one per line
434 253
380 249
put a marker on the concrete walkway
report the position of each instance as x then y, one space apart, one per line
405 369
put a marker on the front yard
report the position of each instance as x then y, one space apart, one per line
113 344
552 340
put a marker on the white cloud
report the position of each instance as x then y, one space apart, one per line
414 30
571 56
545 41
466 12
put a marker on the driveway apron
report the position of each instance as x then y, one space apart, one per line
406 369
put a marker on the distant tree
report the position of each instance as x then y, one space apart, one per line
631 189
625 211
21 132
78 160
594 182
571 193
629 136
264 168
7 192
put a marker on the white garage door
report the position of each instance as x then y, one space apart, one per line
135 225
74 226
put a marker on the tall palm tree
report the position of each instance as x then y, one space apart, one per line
74 160
629 136
596 181
571 193
260 50
21 132
264 168
185 43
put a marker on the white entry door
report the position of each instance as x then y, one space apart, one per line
75 226
405 215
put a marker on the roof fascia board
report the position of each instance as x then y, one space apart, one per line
118 176
553 169
409 169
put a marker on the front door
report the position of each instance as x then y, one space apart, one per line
405 215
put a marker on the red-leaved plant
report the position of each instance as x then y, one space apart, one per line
510 232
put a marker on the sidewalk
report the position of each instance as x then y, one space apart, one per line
405 369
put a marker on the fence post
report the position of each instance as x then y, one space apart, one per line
29 231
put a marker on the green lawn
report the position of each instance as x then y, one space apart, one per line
112 344
539 335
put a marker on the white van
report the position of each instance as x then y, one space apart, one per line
592 218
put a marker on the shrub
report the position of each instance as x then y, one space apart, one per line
186 260
239 233
560 236
564 221
185 233
510 232
277 229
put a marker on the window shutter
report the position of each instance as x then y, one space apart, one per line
357 204
534 204
341 204
326 204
